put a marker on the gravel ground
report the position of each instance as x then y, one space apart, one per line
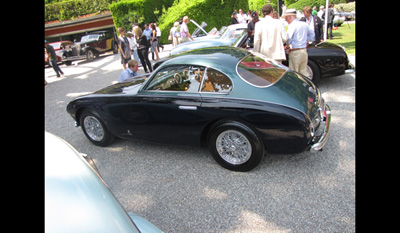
182 189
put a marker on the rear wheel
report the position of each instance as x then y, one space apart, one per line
94 129
235 146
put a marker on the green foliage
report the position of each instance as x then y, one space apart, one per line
216 13
70 9
127 12
258 4
299 5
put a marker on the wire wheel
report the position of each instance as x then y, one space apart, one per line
233 147
93 128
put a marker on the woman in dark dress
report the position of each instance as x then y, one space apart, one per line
143 49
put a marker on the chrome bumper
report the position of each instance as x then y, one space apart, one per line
350 69
317 146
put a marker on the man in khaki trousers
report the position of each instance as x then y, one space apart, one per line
299 33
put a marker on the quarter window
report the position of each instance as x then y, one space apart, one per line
216 81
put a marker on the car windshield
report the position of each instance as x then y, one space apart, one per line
89 37
231 33
56 45
258 71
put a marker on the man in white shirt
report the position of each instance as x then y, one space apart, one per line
242 18
298 35
270 35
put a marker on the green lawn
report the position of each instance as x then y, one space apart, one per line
346 37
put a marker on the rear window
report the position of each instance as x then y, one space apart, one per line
258 71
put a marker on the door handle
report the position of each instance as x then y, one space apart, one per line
187 107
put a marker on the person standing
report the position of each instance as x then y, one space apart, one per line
132 44
314 22
251 28
133 67
270 35
124 47
234 18
158 38
173 34
185 34
154 41
314 11
241 17
147 31
329 17
53 59
143 49
298 35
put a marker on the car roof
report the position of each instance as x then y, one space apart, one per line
76 198
224 58
238 26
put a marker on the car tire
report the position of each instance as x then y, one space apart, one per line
67 63
316 74
95 129
235 146
90 55
115 48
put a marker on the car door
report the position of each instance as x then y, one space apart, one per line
169 106
101 44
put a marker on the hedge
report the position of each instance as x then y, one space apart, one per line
299 5
216 13
126 12
74 8
256 5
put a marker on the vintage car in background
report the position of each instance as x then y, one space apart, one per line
236 102
200 33
227 38
58 49
325 59
91 46
76 197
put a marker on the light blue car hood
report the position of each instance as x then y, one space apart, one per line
198 44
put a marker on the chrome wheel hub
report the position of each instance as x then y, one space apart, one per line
93 128
233 147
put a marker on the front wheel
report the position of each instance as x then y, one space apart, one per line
235 146
313 72
89 55
95 130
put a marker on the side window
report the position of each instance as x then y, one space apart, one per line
177 78
108 35
216 81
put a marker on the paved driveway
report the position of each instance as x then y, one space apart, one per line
182 189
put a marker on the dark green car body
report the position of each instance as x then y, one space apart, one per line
194 97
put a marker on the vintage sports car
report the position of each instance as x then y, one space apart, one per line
91 46
325 59
236 102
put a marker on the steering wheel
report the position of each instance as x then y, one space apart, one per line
178 78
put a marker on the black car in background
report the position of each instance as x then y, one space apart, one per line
91 45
